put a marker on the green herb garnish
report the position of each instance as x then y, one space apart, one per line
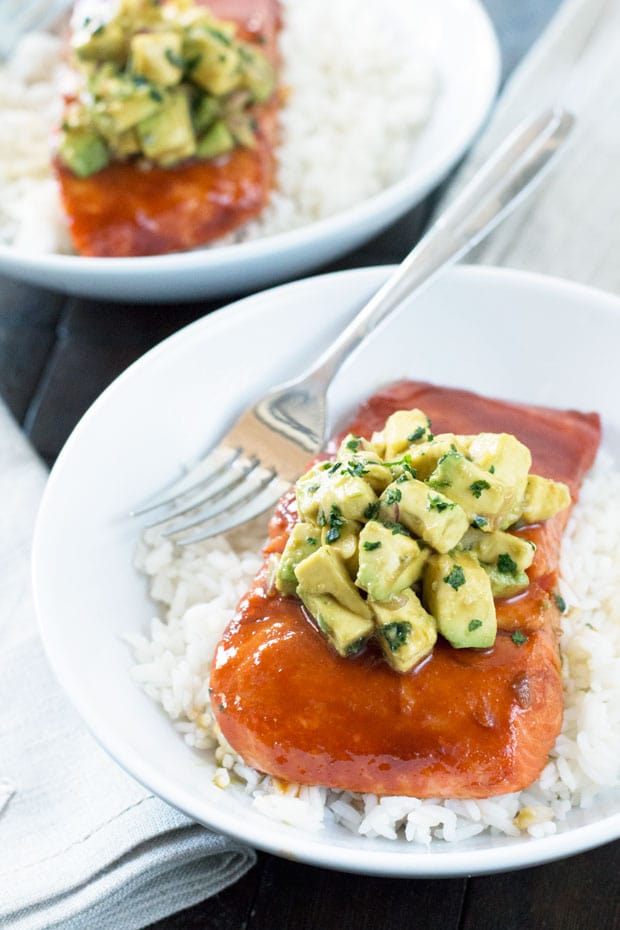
506 565
392 496
370 546
456 578
436 503
518 638
473 625
478 487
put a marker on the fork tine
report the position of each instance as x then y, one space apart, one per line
187 490
226 507
221 492
234 518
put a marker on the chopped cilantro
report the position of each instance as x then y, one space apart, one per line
491 469
456 578
98 30
354 647
357 469
561 603
478 487
336 521
353 444
392 496
506 565
311 540
397 528
437 503
156 95
335 468
402 478
370 546
518 638
417 434
479 521
371 511
321 518
474 625
396 634
174 59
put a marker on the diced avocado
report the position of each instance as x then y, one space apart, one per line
457 592
213 60
126 144
343 538
477 491
217 140
439 521
488 547
167 136
358 456
100 41
506 583
425 455
344 495
206 109
543 499
345 629
388 563
401 428
121 103
157 56
508 460
324 572
302 542
406 632
257 73
83 151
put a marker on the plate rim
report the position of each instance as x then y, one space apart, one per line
408 860
89 275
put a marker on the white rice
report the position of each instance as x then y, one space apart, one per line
198 588
360 85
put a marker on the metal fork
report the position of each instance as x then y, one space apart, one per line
271 443
20 16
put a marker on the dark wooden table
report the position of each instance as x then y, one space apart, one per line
56 355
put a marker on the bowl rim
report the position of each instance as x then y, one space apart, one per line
407 860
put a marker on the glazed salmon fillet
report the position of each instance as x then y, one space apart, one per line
465 723
125 210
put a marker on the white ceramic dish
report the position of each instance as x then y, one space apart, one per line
181 395
467 61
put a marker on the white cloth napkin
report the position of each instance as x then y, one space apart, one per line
82 845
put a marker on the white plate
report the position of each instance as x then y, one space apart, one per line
472 328
467 61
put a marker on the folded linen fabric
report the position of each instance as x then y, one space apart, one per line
571 226
82 845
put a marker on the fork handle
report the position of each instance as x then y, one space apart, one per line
494 191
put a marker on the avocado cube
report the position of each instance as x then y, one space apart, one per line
406 632
509 461
205 110
213 60
478 492
488 547
457 592
121 104
359 456
257 73
217 140
157 56
401 428
427 513
167 136
345 629
424 456
346 494
388 563
83 151
506 583
343 539
101 41
302 542
543 499
324 572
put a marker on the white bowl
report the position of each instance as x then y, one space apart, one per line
472 328
467 62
